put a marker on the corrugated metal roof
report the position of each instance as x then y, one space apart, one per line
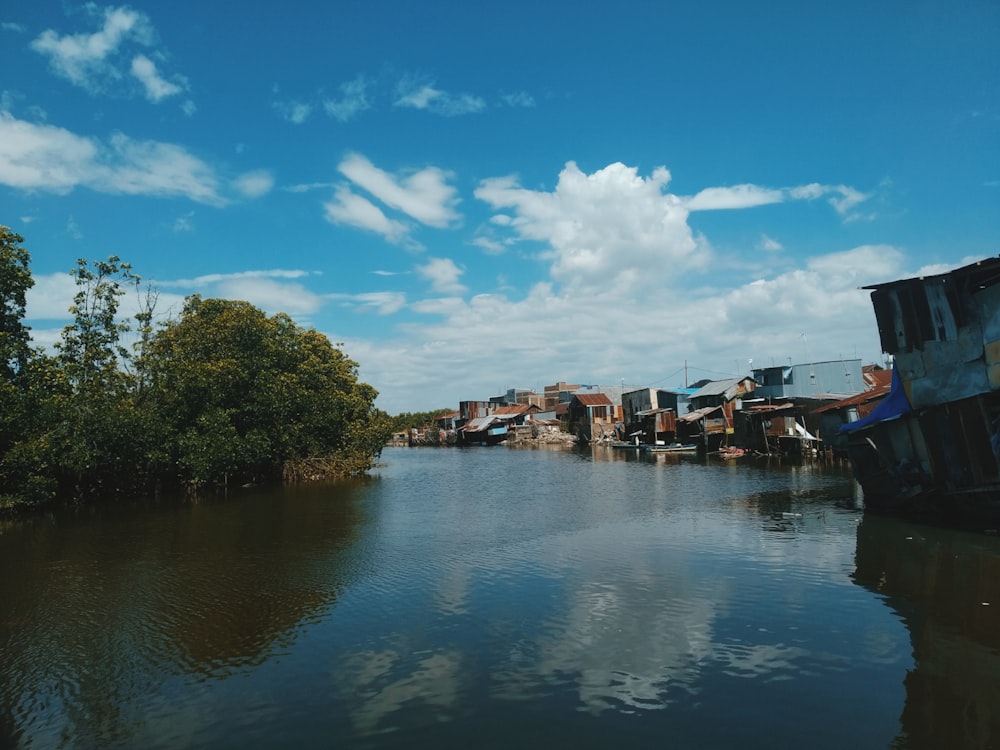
856 400
767 408
716 387
478 424
511 410
986 273
593 399
697 414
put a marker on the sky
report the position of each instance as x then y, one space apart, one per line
471 197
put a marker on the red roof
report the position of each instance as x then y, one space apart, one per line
876 377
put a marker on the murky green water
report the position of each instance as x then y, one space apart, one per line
503 598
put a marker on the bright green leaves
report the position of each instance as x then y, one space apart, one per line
247 393
223 394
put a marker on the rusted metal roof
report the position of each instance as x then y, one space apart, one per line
512 410
874 378
856 400
767 408
593 399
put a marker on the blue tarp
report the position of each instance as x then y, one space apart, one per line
892 406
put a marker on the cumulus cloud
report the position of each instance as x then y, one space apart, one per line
98 61
715 331
609 228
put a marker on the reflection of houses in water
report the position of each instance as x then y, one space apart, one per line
945 586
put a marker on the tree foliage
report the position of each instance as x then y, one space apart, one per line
222 394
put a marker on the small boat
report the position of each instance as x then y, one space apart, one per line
671 448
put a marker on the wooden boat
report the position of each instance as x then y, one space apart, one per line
671 448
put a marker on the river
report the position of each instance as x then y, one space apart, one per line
503 598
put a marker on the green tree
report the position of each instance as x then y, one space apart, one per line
15 281
101 440
247 396
24 478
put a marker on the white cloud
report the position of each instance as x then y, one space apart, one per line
518 99
184 223
294 111
424 195
416 95
844 200
842 197
737 196
609 228
443 274
220 278
769 244
254 184
156 168
99 61
73 229
50 297
383 303
715 332
624 267
356 211
270 295
44 157
489 245
155 86
354 99
83 59
52 159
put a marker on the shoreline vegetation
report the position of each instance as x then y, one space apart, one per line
223 394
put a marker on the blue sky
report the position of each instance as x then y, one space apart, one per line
478 196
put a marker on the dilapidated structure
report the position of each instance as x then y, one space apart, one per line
934 441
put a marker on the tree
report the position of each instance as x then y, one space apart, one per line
245 395
100 441
15 281
32 390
